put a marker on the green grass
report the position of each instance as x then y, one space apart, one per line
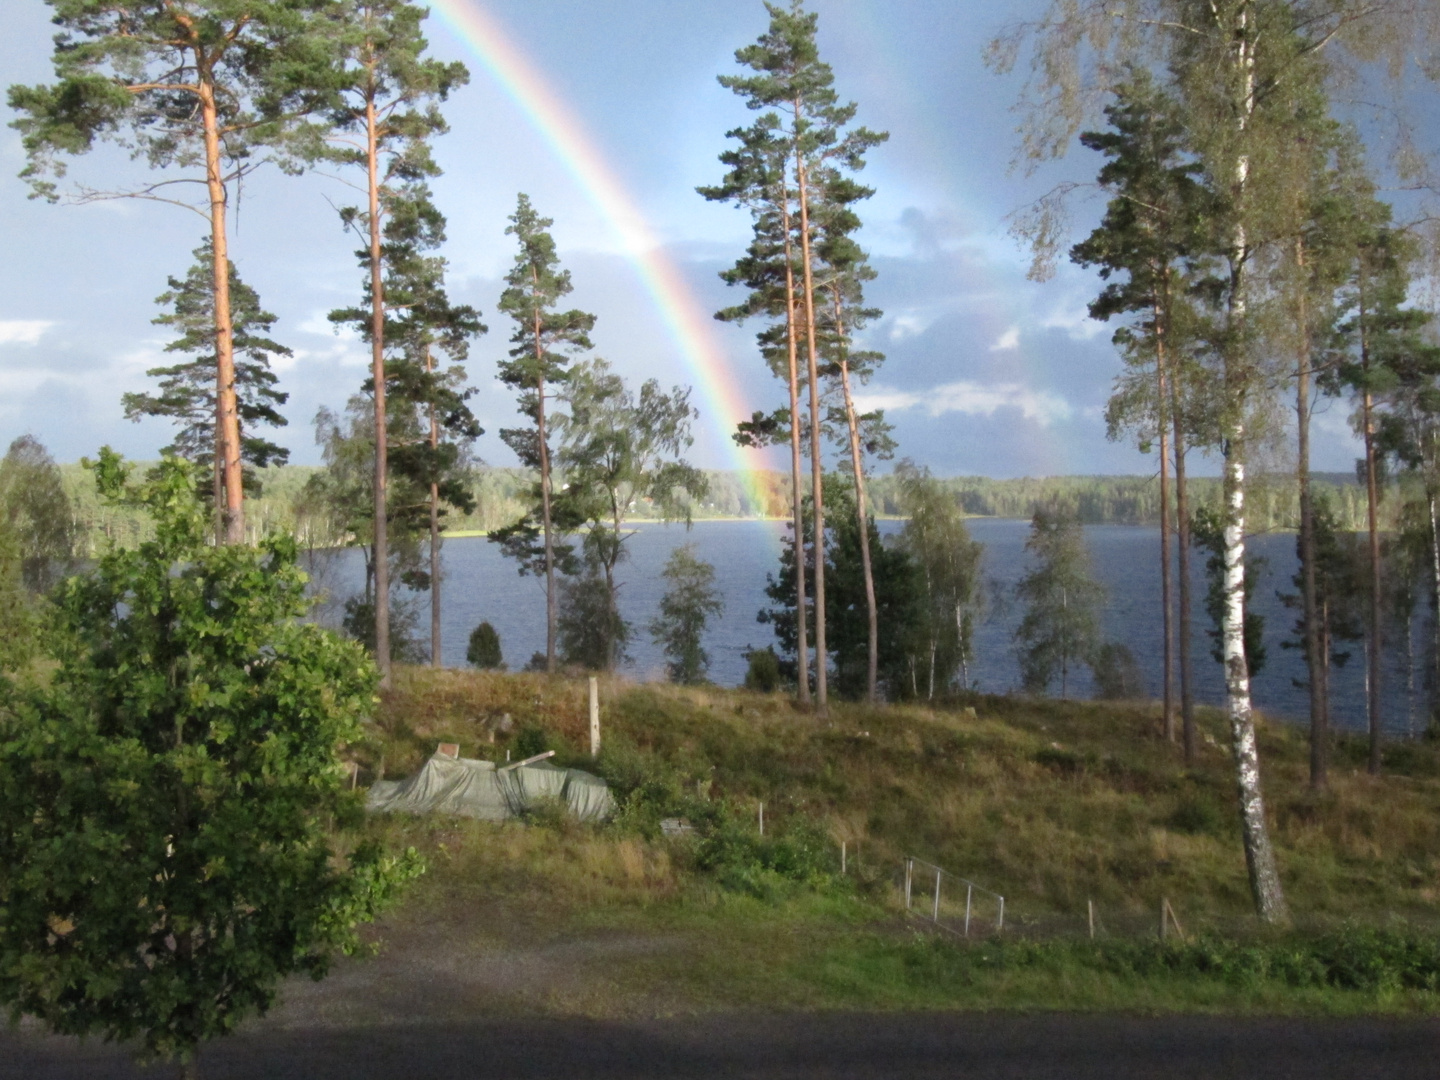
1051 803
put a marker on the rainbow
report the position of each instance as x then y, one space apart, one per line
687 324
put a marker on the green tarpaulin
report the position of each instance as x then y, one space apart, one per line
478 789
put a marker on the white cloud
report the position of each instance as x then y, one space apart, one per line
320 324
1010 339
973 399
905 326
1076 322
22 331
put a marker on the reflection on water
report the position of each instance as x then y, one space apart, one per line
480 585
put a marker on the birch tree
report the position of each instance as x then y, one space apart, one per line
387 113
618 448
1230 62
204 92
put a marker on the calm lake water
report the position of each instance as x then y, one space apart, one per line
481 585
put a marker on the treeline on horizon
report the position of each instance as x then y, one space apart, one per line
500 496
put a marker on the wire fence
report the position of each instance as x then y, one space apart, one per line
950 901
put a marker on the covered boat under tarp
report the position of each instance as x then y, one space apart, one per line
477 789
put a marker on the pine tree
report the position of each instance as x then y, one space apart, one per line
759 180
793 82
538 360
1380 332
384 120
846 270
861 570
1155 220
430 427
187 391
203 90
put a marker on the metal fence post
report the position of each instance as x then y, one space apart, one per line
1000 925
909 871
936 915
969 893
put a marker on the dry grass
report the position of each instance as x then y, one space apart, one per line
1051 803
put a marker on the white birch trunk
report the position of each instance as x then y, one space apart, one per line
1259 854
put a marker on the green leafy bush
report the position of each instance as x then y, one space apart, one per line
767 867
763 674
531 741
167 802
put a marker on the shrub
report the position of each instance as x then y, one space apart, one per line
1117 673
797 854
530 741
763 674
484 648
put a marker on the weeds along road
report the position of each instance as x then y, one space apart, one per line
847 1046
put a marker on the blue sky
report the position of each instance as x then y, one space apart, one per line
987 373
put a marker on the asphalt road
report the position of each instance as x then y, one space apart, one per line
843 1046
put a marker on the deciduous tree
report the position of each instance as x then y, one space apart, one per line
1060 629
167 803
618 448
691 600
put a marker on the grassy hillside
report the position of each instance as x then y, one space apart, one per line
1051 804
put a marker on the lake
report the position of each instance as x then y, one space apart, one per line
481 585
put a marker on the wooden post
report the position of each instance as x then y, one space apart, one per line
842 857
762 819
594 717
909 872
1168 912
1090 908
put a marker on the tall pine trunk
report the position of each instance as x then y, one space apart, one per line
1309 614
857 466
1259 854
802 633
377 360
231 510
551 600
1167 610
434 526
1373 651
817 464
1430 501
1182 529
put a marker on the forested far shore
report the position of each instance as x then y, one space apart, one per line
500 495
